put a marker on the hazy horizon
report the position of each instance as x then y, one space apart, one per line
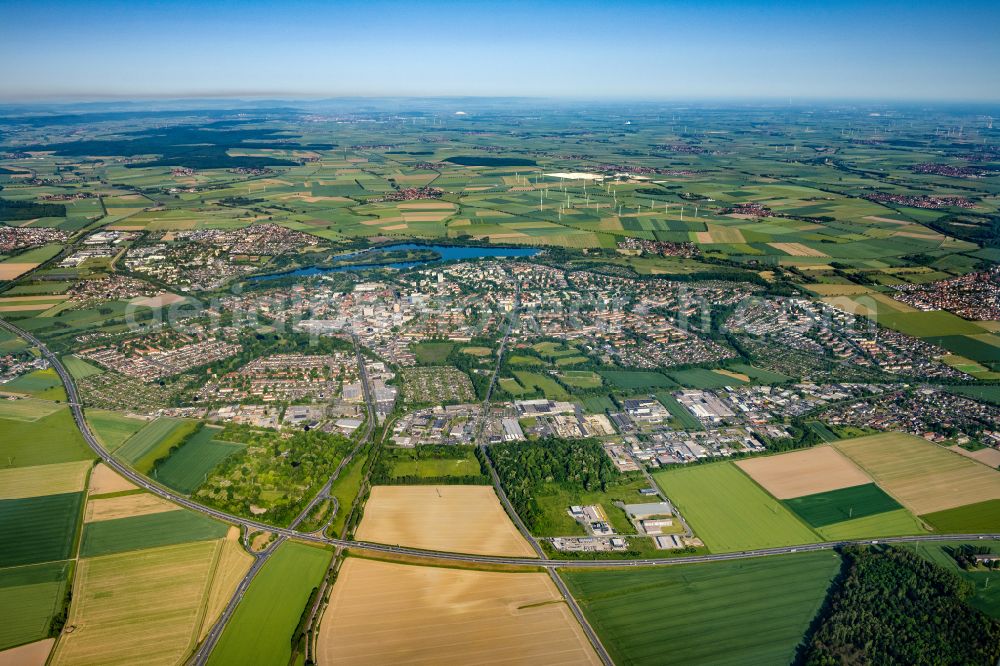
912 52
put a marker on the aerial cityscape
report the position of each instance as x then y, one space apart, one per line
423 362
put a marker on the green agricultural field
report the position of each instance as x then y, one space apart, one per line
636 380
345 489
981 517
700 378
584 379
927 324
111 428
597 404
835 506
548 386
684 418
433 353
260 632
38 529
149 531
79 368
757 375
154 441
49 439
434 468
42 384
29 597
719 613
27 409
890 523
729 511
189 466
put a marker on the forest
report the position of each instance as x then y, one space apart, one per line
11 210
891 606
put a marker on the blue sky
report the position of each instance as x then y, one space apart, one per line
649 50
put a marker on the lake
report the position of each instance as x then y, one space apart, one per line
447 252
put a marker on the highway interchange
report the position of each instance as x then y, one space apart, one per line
201 656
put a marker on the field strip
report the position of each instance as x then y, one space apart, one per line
21 482
139 504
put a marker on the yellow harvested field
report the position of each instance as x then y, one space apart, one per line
798 250
233 564
106 480
821 289
386 613
845 304
426 205
158 301
25 307
815 470
990 457
32 654
460 519
876 218
67 477
922 476
139 504
143 607
734 375
11 269
426 217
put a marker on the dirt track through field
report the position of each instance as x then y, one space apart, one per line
386 613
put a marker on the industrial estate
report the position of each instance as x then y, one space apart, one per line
442 381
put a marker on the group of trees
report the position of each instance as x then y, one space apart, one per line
891 606
524 467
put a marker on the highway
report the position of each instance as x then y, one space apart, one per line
290 533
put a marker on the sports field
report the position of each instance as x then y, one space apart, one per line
729 511
141 607
924 477
442 615
719 613
816 470
461 519
260 631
